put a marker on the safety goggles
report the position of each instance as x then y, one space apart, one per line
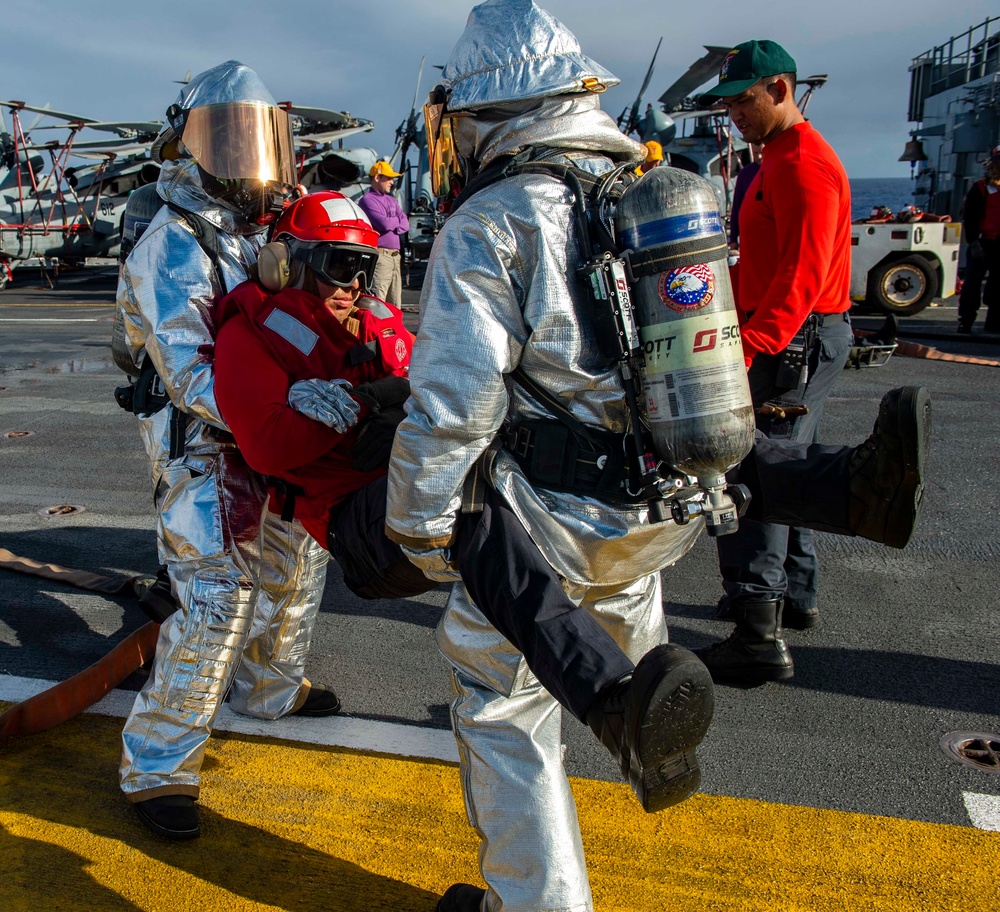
338 265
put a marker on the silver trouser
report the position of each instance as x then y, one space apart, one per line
292 576
509 734
220 547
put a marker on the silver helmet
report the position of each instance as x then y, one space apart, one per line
231 125
514 51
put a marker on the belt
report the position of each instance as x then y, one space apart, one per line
821 318
551 456
388 250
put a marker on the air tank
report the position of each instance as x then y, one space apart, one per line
143 203
696 393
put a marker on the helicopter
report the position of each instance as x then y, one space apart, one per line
698 137
323 162
50 207
64 199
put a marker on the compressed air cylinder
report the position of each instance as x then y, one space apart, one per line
696 393
143 203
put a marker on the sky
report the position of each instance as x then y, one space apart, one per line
114 60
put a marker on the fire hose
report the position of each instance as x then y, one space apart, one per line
71 697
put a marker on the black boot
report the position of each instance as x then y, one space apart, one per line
320 701
796 617
755 651
652 722
887 470
172 816
461 897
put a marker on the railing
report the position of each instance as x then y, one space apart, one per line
966 57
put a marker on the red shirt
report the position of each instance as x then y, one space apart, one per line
260 351
795 240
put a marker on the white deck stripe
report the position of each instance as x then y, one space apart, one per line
332 731
984 810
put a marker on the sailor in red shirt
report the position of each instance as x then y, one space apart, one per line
981 230
793 296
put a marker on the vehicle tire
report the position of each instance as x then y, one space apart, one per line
902 287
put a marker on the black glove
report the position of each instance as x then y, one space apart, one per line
375 439
380 394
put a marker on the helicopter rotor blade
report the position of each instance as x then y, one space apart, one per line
628 122
697 75
649 72
47 112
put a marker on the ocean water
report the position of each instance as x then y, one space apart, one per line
866 192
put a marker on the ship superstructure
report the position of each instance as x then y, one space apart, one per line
955 103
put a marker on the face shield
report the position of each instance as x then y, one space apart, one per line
241 141
446 166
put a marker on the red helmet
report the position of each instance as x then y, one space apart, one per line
327 232
326 217
909 214
880 212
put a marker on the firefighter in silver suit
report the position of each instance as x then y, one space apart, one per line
249 584
500 290
505 343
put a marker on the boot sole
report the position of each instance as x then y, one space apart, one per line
913 425
669 725
166 832
798 620
753 677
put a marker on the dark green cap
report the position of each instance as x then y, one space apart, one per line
747 64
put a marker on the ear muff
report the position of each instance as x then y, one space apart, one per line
274 265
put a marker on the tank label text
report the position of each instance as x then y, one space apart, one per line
696 341
671 229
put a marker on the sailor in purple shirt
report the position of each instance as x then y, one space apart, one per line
389 220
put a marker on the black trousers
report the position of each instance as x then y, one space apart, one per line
772 560
806 484
506 575
985 267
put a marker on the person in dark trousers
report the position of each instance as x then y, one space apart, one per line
981 229
553 550
793 298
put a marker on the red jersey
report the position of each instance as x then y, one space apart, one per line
795 240
265 343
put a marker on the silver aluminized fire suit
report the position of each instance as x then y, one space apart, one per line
249 583
501 290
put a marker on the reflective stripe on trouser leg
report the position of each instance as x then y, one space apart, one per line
292 576
210 509
508 730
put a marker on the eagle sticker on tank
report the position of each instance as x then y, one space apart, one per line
687 288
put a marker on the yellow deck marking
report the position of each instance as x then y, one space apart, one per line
306 828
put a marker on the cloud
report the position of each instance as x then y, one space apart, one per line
117 60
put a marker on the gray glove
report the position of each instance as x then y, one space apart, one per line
325 401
